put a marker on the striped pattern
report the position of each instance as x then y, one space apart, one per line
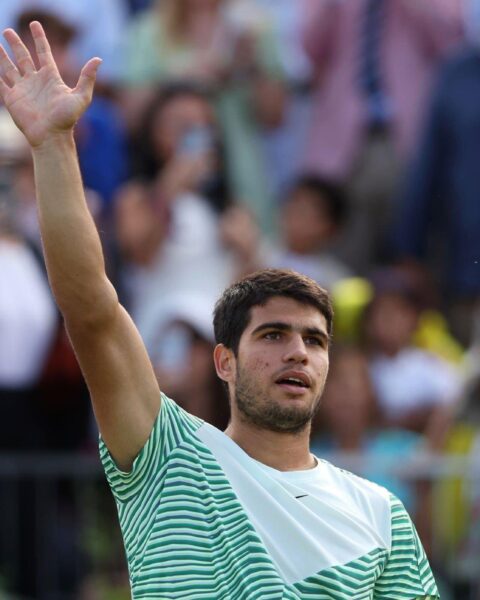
187 536
370 73
407 574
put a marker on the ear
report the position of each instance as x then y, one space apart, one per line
224 360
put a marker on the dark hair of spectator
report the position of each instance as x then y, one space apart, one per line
146 163
329 194
232 311
392 281
59 31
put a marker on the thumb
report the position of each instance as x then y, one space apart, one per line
86 81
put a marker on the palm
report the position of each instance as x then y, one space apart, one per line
41 104
38 100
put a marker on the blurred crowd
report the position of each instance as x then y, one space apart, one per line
339 138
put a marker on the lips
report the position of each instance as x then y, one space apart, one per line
294 379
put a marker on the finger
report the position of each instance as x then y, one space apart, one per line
8 69
20 52
87 78
42 47
4 89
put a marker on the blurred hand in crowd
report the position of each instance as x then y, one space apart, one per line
184 173
239 232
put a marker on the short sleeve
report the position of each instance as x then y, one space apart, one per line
407 574
172 426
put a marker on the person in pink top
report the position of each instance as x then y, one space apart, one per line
374 62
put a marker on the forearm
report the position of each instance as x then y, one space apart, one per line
72 247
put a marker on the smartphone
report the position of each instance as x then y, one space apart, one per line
196 140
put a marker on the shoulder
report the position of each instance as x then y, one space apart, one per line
364 500
361 492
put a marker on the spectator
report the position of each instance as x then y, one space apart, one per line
182 358
212 43
167 218
438 216
33 382
181 123
43 399
310 218
366 116
413 386
27 322
100 25
284 144
349 421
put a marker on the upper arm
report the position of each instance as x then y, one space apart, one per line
406 570
121 381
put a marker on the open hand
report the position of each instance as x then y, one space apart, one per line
40 103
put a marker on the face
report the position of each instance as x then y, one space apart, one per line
179 116
306 224
348 401
391 323
281 366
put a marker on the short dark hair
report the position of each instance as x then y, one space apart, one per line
330 195
232 311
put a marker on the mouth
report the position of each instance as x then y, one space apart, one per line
295 383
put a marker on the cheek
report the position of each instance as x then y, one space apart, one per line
257 367
322 371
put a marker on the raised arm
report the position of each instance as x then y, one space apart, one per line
115 364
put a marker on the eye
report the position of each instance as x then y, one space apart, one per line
273 335
314 341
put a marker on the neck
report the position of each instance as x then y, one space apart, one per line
281 451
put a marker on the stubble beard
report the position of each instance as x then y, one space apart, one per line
258 409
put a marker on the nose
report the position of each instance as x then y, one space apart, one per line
296 350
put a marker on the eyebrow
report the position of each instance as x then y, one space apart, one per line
280 325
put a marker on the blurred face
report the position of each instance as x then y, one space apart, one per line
348 399
281 366
306 224
391 323
177 117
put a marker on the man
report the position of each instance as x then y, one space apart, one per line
245 514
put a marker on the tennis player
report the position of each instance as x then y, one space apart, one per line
245 514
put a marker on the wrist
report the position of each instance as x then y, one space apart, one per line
60 140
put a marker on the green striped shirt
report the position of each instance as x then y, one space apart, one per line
202 520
